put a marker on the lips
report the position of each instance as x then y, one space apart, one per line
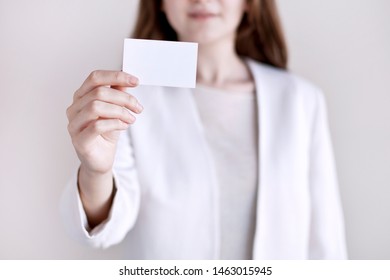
202 15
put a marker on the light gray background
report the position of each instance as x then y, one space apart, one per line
47 48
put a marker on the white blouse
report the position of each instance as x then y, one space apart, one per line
229 120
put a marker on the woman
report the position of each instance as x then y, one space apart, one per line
239 168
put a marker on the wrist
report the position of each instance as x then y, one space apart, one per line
93 174
95 187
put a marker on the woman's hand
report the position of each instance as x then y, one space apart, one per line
100 110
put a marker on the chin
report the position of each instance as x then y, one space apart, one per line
202 39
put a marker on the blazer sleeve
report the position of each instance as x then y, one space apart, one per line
124 210
327 236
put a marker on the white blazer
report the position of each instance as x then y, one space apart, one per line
166 204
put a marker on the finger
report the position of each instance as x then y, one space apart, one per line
98 110
105 78
108 95
100 127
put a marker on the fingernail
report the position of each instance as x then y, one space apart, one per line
132 118
140 108
133 80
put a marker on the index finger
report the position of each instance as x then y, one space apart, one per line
106 78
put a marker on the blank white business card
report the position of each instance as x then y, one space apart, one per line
161 63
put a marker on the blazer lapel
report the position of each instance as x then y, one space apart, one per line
269 100
208 168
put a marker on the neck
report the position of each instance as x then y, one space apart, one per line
219 64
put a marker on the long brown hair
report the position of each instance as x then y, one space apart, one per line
259 35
